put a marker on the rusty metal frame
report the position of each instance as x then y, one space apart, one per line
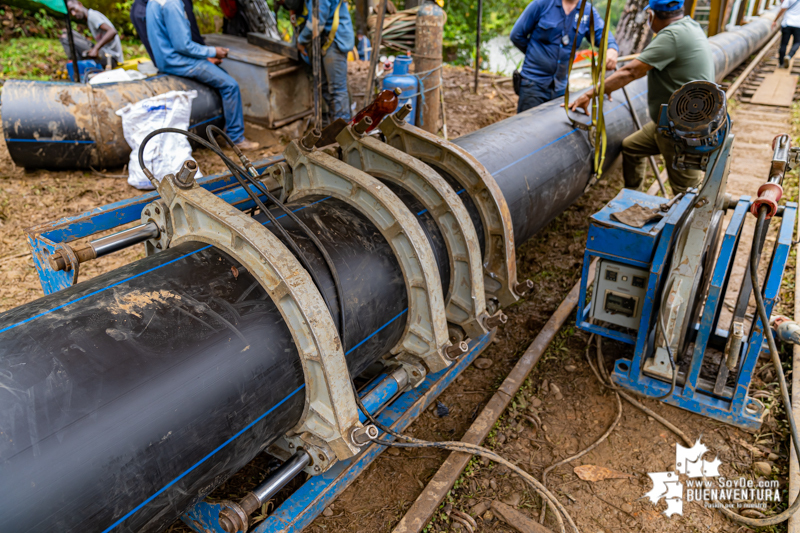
500 268
465 303
194 214
315 173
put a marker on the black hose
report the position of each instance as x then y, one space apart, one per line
238 172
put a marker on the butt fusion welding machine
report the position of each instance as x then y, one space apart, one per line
663 271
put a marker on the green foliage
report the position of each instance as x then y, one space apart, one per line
28 57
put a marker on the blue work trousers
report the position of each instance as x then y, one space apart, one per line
334 84
533 93
210 74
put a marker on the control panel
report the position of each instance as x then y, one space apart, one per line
619 292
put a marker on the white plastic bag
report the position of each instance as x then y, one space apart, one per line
164 153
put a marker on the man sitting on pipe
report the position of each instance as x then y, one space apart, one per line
678 54
175 53
107 48
544 33
138 17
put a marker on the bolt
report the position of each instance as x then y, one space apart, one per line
361 436
185 176
403 112
310 139
317 468
455 334
523 288
363 125
496 320
457 350
291 445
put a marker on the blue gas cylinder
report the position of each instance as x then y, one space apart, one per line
408 84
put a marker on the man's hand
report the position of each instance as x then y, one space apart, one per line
222 53
302 49
583 101
611 59
215 61
93 53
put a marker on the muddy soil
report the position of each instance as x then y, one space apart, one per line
573 414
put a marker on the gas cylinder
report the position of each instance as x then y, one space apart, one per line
408 85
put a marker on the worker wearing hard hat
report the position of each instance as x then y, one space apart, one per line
678 54
337 40
545 33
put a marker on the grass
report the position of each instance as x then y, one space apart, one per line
36 58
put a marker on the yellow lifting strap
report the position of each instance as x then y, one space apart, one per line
301 20
597 125
334 27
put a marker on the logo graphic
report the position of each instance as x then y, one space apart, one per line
688 461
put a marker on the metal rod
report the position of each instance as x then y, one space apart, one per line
478 44
283 475
71 39
376 51
120 240
652 159
794 468
316 63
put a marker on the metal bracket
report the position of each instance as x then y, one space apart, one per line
316 173
194 214
500 266
465 303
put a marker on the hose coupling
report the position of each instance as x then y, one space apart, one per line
363 435
185 176
769 194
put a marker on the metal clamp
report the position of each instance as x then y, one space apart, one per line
447 158
194 214
316 173
465 303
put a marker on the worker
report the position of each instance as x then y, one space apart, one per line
139 20
337 39
545 33
107 47
679 53
789 16
174 52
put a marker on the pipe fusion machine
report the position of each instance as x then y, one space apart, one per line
665 267
280 279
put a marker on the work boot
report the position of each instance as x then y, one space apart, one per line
245 145
785 63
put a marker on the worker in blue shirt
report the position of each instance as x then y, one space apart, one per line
544 33
174 52
337 40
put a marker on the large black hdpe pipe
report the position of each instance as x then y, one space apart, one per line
66 126
127 398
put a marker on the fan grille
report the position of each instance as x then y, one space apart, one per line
696 105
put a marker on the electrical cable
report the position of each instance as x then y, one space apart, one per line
773 349
237 173
472 449
210 130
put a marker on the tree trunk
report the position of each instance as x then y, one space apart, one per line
633 33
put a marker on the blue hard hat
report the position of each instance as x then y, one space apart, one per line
665 5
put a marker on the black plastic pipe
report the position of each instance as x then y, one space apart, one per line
65 126
127 398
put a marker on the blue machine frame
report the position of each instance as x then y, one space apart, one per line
650 248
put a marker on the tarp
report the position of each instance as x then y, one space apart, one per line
53 7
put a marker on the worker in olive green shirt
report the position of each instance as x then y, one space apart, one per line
678 54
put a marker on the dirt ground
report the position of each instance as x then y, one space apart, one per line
562 392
